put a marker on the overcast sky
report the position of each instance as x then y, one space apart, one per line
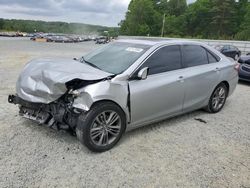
98 12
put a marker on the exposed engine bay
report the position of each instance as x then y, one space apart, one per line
57 115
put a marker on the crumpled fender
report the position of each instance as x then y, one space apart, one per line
116 91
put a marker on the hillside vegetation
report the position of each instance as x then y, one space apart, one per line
31 26
211 19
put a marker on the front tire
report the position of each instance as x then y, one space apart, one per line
217 99
102 127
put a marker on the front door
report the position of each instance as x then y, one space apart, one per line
161 94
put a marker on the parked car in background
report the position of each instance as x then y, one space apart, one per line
102 40
122 86
229 51
244 71
60 39
244 58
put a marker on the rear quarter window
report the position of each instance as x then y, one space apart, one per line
212 58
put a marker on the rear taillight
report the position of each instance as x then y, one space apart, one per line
237 67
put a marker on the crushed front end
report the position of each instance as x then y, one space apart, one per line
57 92
44 90
57 115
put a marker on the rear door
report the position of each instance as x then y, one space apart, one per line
202 74
161 94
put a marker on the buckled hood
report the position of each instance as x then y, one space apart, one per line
43 80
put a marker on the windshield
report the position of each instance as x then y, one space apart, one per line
116 57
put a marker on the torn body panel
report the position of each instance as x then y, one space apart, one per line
115 91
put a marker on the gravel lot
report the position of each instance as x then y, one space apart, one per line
180 152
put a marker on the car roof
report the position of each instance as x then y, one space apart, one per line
152 42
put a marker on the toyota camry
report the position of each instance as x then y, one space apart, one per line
124 85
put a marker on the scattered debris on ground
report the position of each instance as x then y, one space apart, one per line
200 120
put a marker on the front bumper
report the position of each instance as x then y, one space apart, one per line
37 112
244 74
57 115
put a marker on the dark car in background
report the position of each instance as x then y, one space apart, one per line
229 51
244 59
244 71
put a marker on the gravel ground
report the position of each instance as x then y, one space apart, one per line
180 152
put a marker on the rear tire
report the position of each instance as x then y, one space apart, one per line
102 127
217 99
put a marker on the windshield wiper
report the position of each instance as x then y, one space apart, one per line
91 64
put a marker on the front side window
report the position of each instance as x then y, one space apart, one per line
115 57
165 59
194 55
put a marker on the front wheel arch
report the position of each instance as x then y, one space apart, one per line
85 122
111 101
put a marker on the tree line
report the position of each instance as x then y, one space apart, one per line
31 26
210 19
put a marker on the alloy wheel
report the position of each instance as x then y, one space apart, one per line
105 128
219 98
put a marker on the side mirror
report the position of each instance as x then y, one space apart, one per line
143 73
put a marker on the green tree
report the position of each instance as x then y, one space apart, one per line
198 19
141 19
176 7
1 24
175 26
224 17
244 33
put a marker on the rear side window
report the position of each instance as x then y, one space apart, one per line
233 48
226 47
165 59
194 55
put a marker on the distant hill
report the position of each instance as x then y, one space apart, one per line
31 26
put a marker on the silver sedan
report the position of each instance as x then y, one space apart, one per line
122 86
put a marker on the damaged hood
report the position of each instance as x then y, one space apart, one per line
43 80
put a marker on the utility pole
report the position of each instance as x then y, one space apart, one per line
163 20
163 25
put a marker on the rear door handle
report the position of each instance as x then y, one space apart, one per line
217 69
181 79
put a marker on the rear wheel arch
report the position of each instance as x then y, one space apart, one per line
226 84
222 82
